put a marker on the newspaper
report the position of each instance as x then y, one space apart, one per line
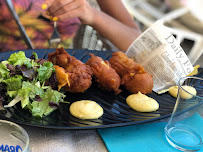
161 55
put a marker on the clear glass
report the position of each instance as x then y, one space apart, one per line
183 131
13 137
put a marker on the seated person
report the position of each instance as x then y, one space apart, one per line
113 22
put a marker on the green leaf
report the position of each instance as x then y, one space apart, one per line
13 83
12 94
24 93
35 54
28 64
34 63
54 96
13 102
35 89
49 110
45 71
18 58
4 72
42 108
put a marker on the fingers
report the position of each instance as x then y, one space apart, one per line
59 4
71 14
47 4
59 7
85 15
67 8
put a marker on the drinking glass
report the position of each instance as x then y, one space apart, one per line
184 130
13 138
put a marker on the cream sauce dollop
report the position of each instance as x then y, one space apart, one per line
86 109
173 91
142 103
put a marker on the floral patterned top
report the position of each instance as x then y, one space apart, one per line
37 25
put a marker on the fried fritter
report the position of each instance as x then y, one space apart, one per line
105 76
79 74
124 65
142 82
59 57
133 76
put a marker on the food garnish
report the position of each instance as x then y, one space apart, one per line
30 81
195 71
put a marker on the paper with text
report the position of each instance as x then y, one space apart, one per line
161 55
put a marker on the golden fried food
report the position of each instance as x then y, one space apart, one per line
133 76
142 82
59 57
79 74
124 65
62 77
105 76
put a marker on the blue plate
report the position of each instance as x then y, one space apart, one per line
116 111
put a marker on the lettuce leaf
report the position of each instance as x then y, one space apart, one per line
42 108
35 55
13 102
23 96
12 94
24 93
35 89
4 72
45 71
13 83
24 80
18 58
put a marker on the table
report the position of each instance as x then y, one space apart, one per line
55 140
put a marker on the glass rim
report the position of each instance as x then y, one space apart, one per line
22 129
180 144
180 84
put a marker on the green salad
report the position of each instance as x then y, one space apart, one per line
30 81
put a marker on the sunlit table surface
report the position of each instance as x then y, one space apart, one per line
55 140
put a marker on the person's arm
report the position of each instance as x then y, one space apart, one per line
121 35
117 10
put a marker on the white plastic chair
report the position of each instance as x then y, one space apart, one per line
144 12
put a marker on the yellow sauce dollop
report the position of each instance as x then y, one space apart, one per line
173 91
142 103
86 109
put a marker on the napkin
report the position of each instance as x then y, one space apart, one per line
149 137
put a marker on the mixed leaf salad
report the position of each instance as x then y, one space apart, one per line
30 81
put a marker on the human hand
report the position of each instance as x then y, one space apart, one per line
67 9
